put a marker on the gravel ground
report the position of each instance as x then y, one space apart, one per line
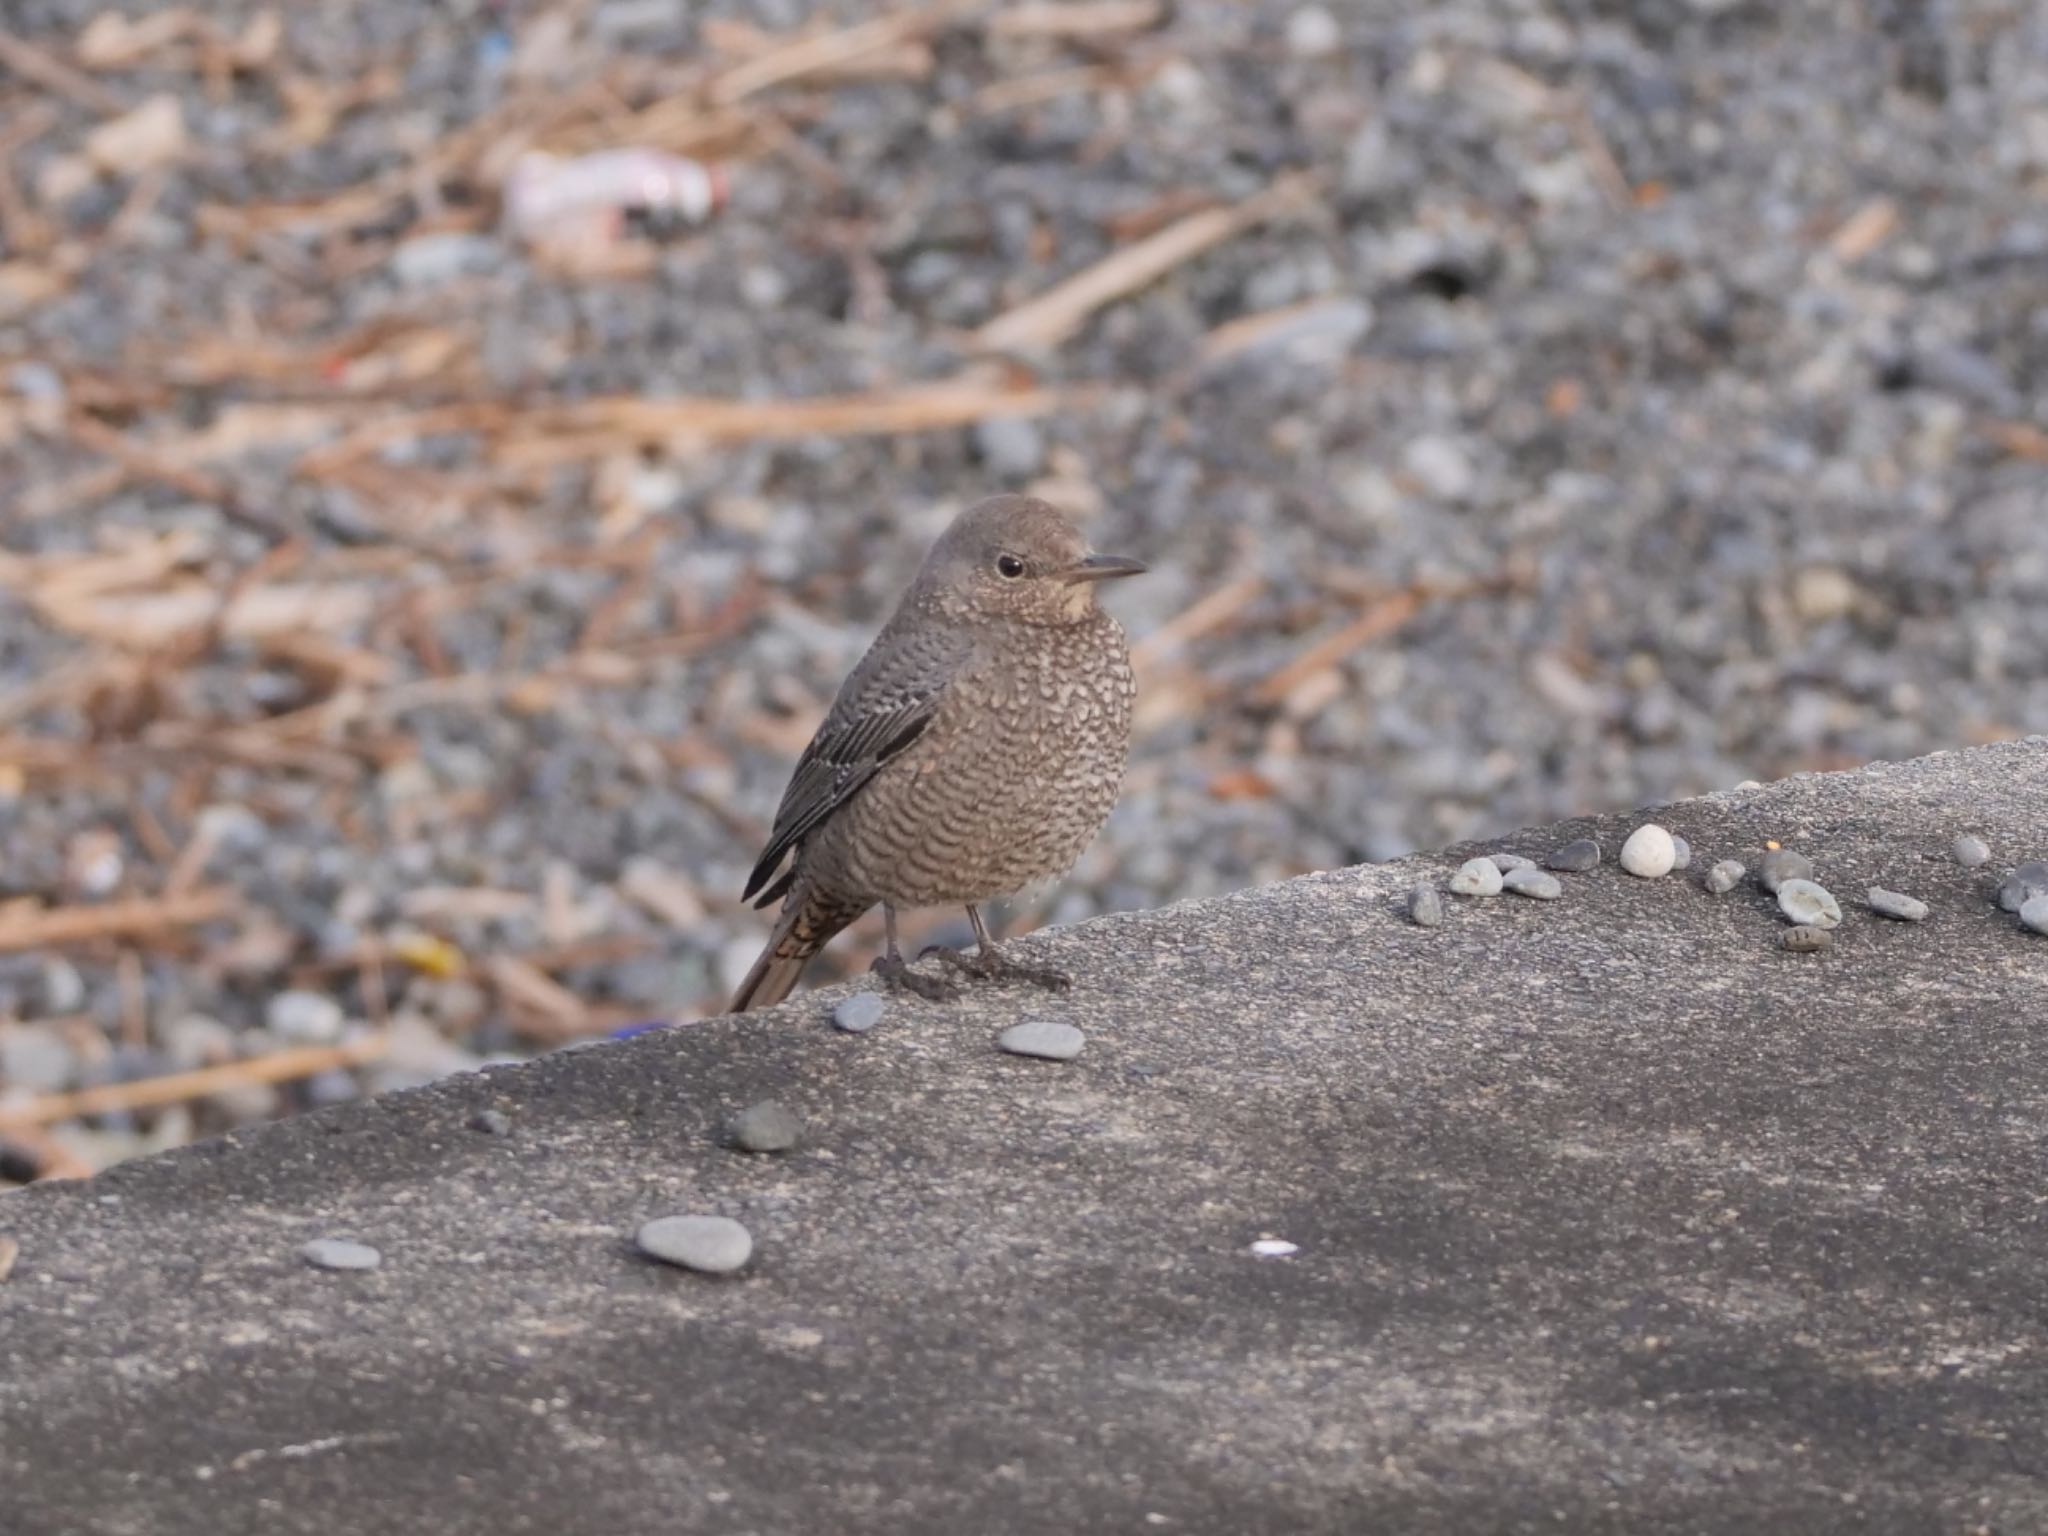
1652 390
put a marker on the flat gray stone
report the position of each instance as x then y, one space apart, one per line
1044 1039
711 1245
1650 852
1575 857
858 1014
1532 882
765 1127
1681 853
1476 877
339 1253
1511 1310
1808 904
1508 863
1893 904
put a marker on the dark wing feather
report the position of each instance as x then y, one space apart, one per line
849 749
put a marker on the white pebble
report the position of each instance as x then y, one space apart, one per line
1476 877
1649 852
711 1245
1275 1248
858 1014
1044 1039
1313 33
339 1253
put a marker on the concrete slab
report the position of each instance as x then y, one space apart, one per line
1611 1216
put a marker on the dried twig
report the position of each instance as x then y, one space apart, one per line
31 63
1049 319
1864 231
1380 619
180 1087
550 434
140 462
50 927
1210 612
553 1012
1085 18
830 51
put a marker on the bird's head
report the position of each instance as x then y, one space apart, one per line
1020 559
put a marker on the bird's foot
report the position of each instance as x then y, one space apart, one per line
991 964
897 975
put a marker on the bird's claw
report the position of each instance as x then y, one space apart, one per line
898 976
994 965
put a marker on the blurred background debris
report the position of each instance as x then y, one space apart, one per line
448 455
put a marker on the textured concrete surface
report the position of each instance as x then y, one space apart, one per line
1611 1217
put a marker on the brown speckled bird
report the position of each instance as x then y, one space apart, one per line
976 749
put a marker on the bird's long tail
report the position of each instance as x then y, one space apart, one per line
807 924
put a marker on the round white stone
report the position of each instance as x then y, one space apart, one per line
1649 852
1476 877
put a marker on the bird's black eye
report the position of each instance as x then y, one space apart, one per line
1010 566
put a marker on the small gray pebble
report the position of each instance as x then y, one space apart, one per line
1425 907
1533 882
1891 904
1052 1042
304 1018
1650 851
1780 865
1725 876
2033 875
858 1014
765 1127
1576 857
2034 913
1971 851
1681 853
1476 877
711 1245
339 1253
492 1122
1011 446
2012 895
1508 863
1806 940
1809 905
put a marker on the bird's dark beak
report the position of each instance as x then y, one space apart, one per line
1102 568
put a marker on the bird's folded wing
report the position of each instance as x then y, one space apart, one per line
849 749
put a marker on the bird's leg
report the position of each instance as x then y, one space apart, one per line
895 971
991 964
